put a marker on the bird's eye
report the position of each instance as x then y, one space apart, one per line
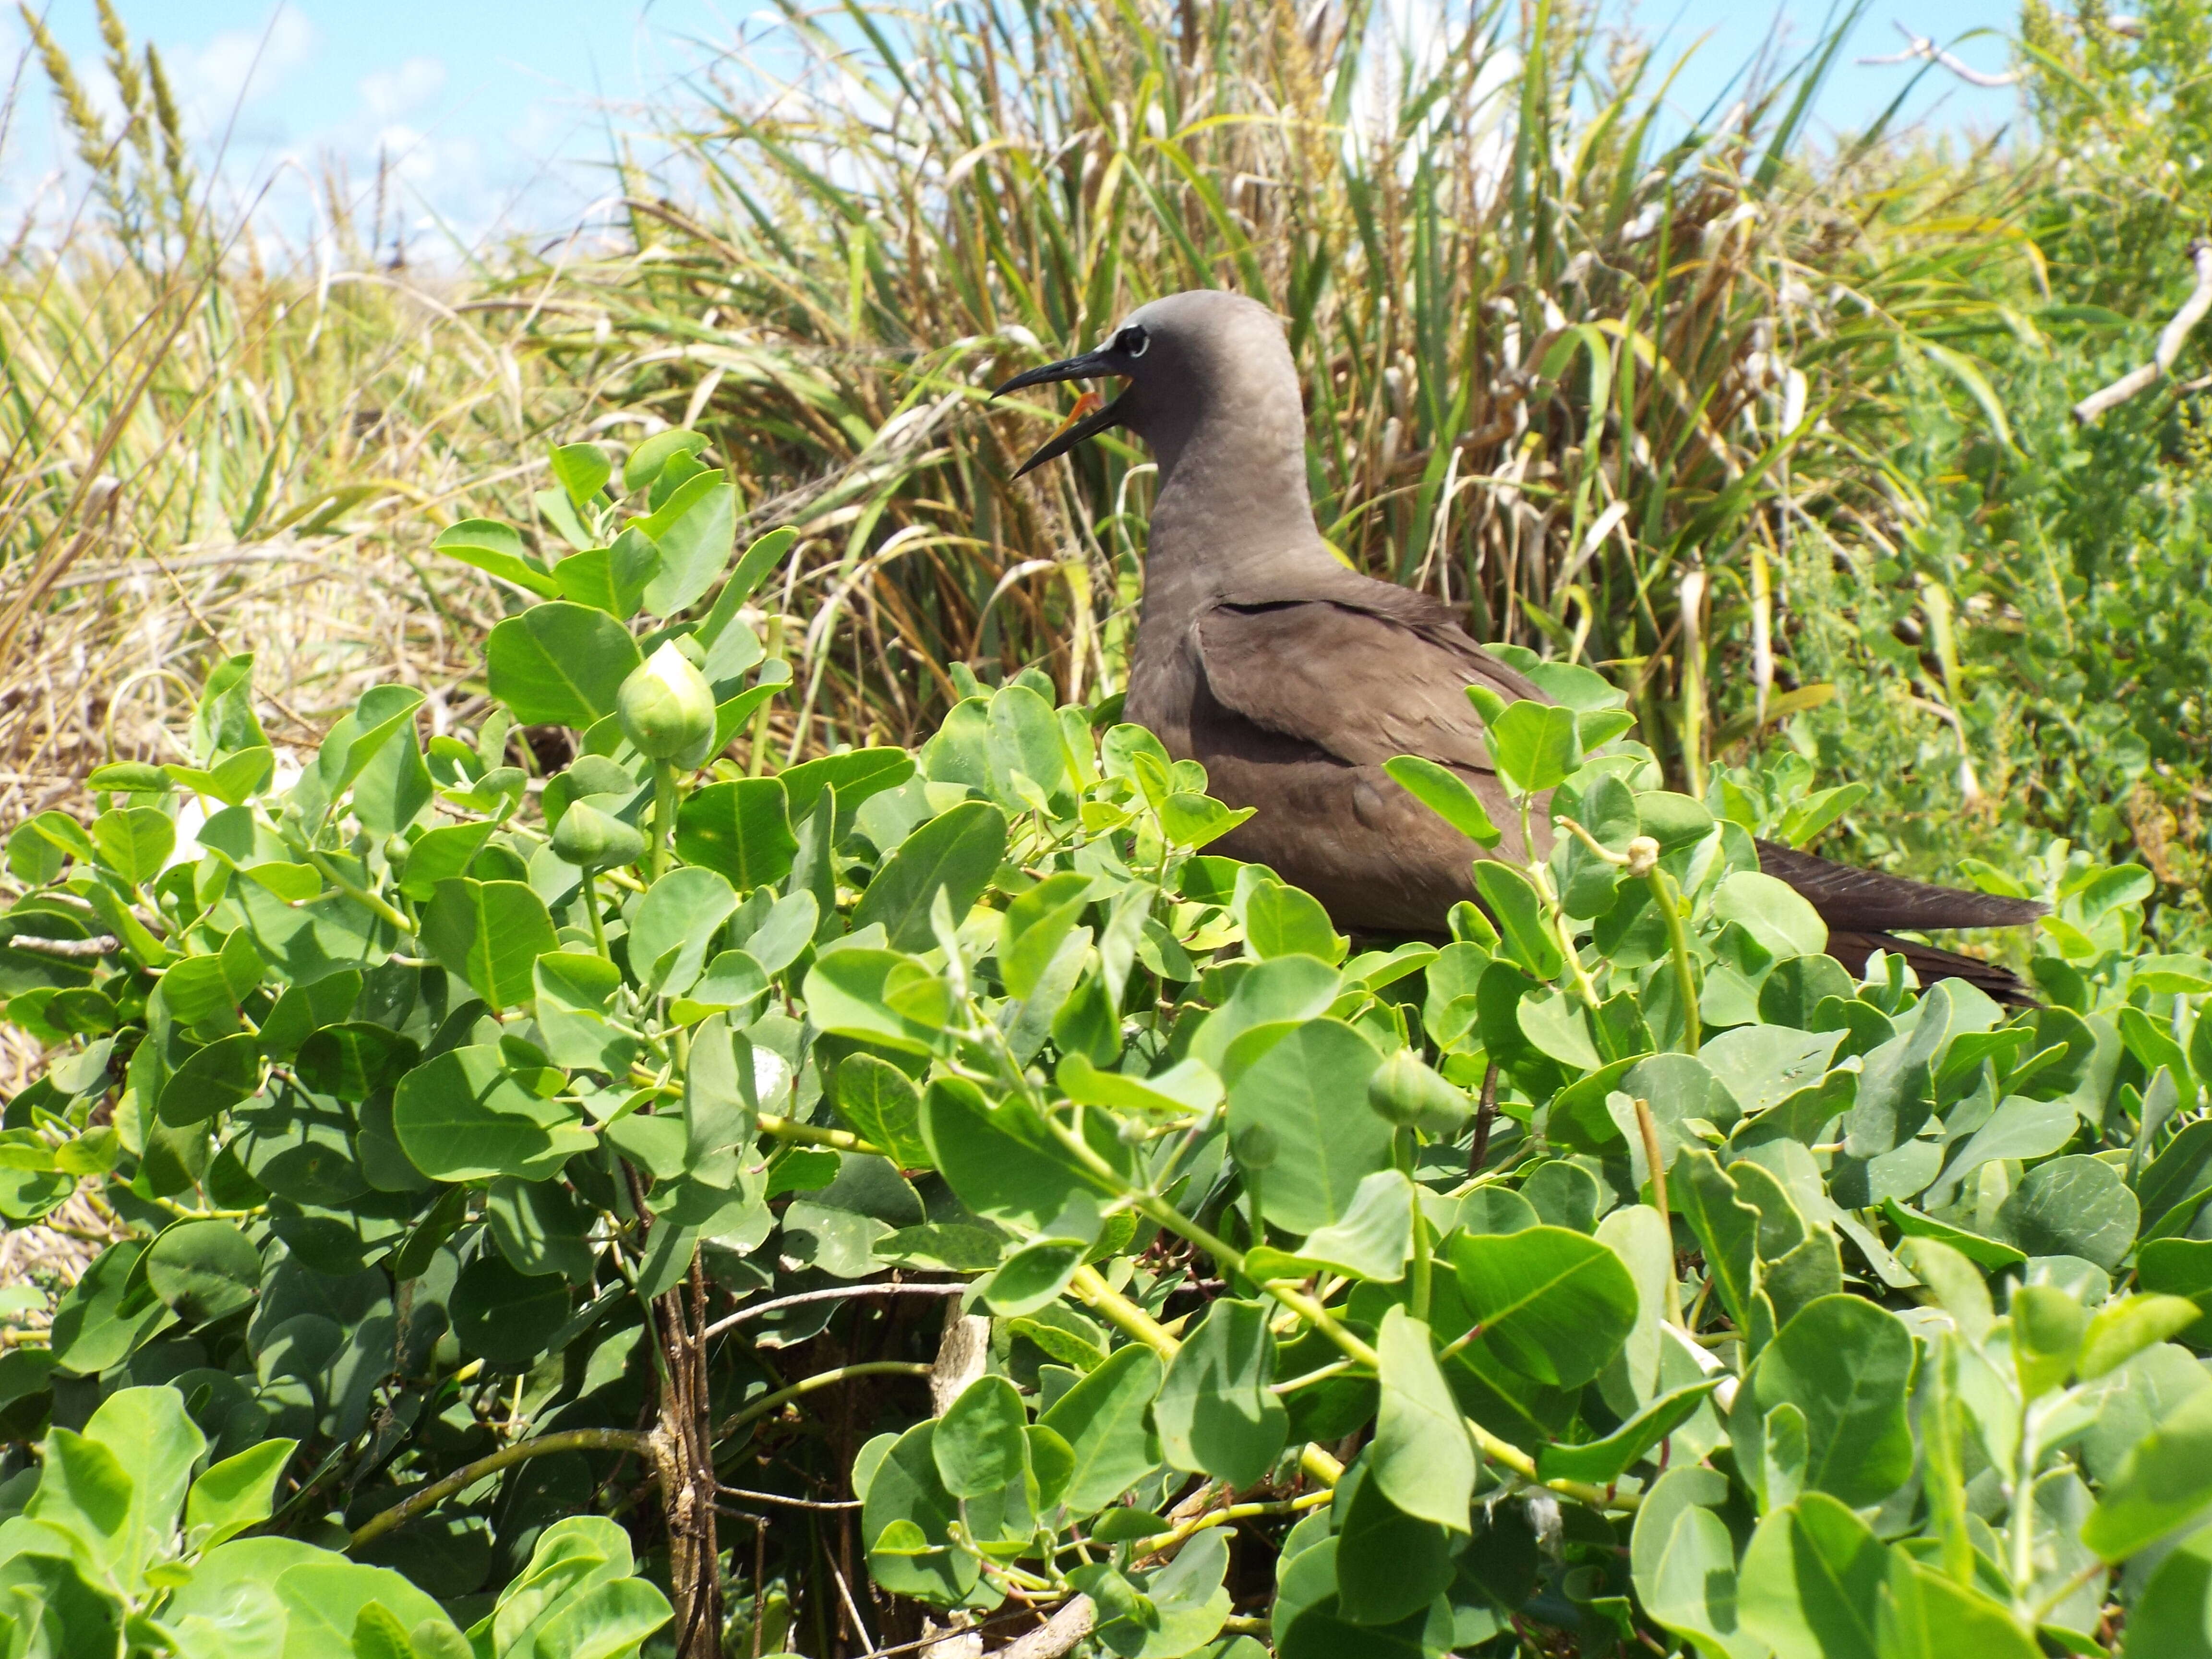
1133 341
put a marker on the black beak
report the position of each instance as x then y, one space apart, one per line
1086 423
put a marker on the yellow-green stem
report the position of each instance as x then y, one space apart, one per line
664 793
438 1491
782 1397
1678 941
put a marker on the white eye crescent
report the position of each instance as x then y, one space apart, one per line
1133 341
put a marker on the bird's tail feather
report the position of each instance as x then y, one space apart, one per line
1873 900
1929 964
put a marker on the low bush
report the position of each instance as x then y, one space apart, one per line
522 1147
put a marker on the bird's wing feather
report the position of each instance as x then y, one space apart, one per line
1361 685
1850 898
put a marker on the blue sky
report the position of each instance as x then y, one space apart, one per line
493 115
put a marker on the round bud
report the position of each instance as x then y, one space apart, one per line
1643 855
667 708
1404 1091
1256 1146
396 849
594 839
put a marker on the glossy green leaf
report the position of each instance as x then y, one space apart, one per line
1554 1305
1422 1459
955 853
1307 1091
978 1447
739 828
1214 1412
560 664
1105 1419
1446 794
464 1115
203 1270
489 933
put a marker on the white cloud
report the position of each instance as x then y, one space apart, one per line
389 93
240 67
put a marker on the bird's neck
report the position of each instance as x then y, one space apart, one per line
1232 504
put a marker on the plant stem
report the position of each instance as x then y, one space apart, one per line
1678 940
665 792
360 895
782 1397
622 1440
807 1135
591 907
1650 1131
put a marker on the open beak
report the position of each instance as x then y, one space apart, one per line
1092 414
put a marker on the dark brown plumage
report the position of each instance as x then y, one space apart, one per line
1293 679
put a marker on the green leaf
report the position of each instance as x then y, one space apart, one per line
646 461
1928 1615
1306 1090
2173 1617
881 996
674 925
2073 1206
1552 1304
1389 1566
763 555
1812 1581
955 852
496 549
1036 924
740 828
1771 911
2123 1328
695 530
906 1518
1192 820
2180 1267
1422 1458
855 774
1282 921
1371 1242
464 1116
560 664
1515 904
1103 1418
1672 820
1846 1364
1683 1562
1987 1252
612 579
1600 1462
1215 1413
213 1080
134 842
979 1447
233 780
582 470
883 1106
610 1619
489 933
1001 1160
2164 1485
1536 746
235 1494
573 989
202 1270
1446 794
124 1519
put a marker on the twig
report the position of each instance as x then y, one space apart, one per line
98 944
2170 340
621 1440
1056 1635
751 1497
1919 45
836 1293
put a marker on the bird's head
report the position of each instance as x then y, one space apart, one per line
1185 357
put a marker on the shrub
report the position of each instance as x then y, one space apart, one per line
1619 1267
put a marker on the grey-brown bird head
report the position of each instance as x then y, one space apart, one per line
1204 368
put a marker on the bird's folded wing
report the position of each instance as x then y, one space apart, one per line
1874 901
1361 686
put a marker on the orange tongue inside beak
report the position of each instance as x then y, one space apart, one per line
1089 403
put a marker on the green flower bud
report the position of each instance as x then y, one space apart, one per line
667 708
594 839
1405 1092
1256 1146
396 849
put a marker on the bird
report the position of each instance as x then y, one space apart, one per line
1293 678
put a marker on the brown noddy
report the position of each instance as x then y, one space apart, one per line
1291 679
